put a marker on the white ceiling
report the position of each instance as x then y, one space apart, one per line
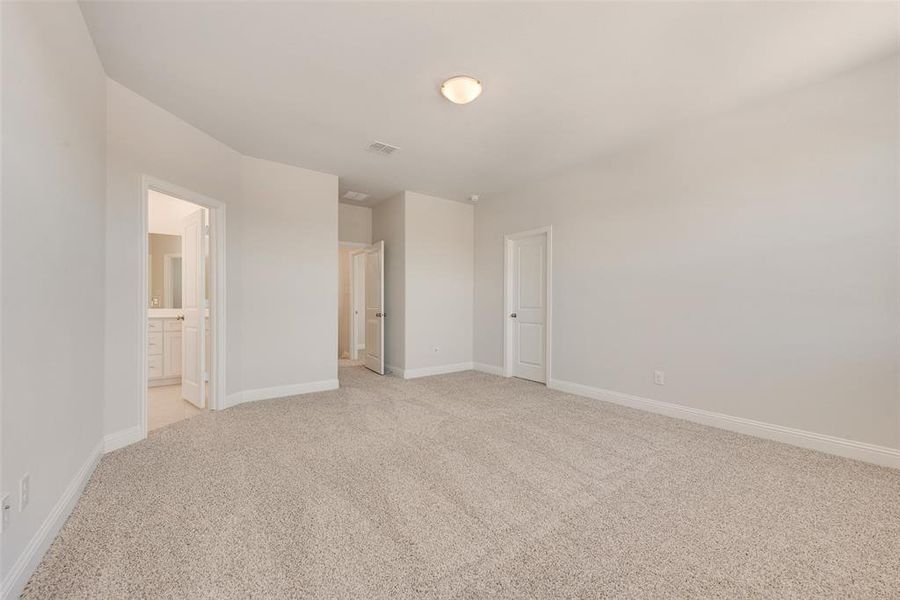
165 213
312 84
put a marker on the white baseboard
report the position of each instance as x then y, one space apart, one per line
879 455
120 439
485 368
280 391
18 575
438 370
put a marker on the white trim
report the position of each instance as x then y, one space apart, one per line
438 370
120 439
280 391
508 239
217 284
485 368
31 556
879 455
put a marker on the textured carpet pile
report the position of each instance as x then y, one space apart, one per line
471 486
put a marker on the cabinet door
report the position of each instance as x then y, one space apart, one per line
172 355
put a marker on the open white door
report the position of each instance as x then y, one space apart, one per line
529 307
193 306
374 353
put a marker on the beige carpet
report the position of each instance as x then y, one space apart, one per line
471 486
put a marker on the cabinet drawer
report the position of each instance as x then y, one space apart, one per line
173 325
155 325
155 364
155 343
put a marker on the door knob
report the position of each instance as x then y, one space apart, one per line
179 318
513 315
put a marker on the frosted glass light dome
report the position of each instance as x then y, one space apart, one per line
461 89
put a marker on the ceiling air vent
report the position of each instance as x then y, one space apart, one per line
355 196
382 148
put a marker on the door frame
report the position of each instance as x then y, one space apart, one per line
360 247
508 240
216 383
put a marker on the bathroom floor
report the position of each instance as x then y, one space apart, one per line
166 406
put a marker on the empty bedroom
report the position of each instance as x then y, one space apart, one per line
450 299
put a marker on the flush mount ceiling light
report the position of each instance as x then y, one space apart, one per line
461 89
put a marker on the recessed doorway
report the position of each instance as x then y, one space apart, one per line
182 309
527 304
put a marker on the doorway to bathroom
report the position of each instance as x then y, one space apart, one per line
182 308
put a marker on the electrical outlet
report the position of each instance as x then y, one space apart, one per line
659 377
24 491
6 506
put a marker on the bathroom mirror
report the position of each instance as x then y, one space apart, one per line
164 271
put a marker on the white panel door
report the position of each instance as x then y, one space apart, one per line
529 308
374 353
193 307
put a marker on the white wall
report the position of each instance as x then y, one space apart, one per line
428 282
281 236
439 286
354 223
54 119
289 237
753 257
145 139
388 220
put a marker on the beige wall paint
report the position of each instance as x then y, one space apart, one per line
354 223
752 256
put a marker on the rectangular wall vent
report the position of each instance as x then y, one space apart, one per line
355 196
382 148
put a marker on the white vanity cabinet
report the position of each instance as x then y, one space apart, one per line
164 350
